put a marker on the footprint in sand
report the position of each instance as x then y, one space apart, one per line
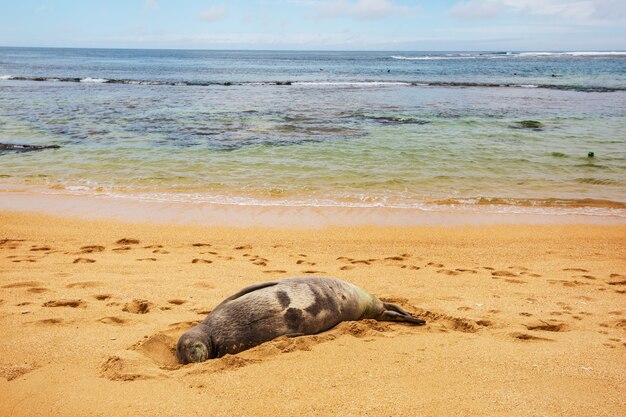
199 245
40 248
10 243
83 261
395 258
84 284
50 322
447 272
112 320
243 247
161 251
138 306
102 297
64 303
122 249
24 284
147 259
344 259
346 267
26 259
310 271
570 284
275 271
201 261
92 249
436 265
620 282
515 281
37 290
303 262
575 270
591 277
547 326
529 338
176 301
127 241
503 274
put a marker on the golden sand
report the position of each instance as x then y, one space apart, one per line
522 320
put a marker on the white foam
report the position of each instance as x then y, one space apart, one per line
434 58
94 80
6 77
352 83
569 54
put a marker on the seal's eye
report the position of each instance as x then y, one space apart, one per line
198 352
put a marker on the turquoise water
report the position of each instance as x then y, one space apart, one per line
312 128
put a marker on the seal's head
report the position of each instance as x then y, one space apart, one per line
194 346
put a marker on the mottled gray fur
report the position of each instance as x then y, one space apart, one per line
292 307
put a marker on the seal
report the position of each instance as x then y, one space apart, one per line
289 307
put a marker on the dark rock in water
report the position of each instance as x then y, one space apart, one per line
19 148
531 124
590 154
528 124
396 120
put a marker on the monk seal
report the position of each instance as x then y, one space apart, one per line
289 307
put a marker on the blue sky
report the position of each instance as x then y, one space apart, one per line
503 25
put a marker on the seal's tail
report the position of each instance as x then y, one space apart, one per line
396 313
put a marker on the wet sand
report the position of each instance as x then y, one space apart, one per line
522 319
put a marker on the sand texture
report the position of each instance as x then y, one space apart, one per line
522 320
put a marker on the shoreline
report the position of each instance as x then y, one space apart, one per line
135 210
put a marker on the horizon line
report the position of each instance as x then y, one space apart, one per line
316 50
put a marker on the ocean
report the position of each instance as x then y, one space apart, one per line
500 131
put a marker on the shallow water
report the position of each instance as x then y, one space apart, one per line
313 128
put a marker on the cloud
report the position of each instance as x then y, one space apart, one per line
362 9
587 11
214 13
150 5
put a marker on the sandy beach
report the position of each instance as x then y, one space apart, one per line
522 320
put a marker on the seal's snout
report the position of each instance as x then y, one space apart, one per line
192 348
198 352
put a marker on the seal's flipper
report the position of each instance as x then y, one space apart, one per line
247 290
397 313
397 308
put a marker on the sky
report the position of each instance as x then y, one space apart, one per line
400 25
